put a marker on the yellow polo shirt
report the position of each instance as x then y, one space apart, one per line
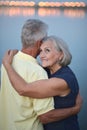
19 112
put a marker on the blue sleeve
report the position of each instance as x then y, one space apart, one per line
71 81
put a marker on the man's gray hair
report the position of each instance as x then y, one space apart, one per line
60 45
33 30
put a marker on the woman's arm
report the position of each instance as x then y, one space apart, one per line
38 89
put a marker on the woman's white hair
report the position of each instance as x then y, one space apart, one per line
60 45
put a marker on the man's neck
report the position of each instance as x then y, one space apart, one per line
29 51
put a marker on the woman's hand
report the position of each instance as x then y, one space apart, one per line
8 57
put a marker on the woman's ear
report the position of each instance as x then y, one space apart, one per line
61 56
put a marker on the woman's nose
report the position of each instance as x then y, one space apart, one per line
42 54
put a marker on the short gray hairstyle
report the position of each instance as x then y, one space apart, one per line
32 31
60 45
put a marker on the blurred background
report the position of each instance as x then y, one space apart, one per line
66 19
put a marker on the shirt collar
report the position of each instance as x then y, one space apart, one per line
27 57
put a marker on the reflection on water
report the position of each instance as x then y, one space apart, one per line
26 11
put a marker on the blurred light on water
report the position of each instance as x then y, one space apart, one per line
30 11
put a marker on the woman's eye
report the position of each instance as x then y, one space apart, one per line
47 50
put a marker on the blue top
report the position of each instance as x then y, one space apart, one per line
70 123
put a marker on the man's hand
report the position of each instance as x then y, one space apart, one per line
8 57
79 102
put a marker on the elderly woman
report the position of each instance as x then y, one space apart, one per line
62 82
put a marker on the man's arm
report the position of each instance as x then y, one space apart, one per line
60 114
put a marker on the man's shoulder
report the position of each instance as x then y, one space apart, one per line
40 72
40 68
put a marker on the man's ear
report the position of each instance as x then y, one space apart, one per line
38 44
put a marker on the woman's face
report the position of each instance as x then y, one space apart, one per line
49 55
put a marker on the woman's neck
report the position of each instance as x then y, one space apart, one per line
54 69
